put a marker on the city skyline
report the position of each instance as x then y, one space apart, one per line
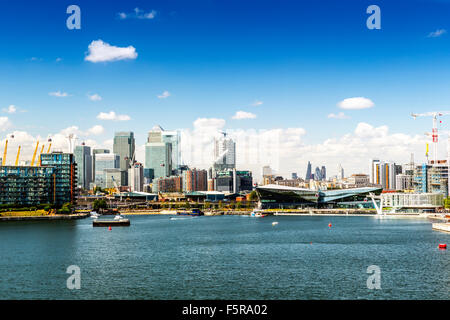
327 92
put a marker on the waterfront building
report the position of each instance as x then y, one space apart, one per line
65 177
275 196
294 176
224 154
158 154
233 181
195 180
105 161
124 146
83 159
384 173
431 178
136 177
412 202
266 171
167 184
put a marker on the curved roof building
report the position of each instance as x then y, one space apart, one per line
273 196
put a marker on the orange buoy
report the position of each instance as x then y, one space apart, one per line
442 246
109 228
329 225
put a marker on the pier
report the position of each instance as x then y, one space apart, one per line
443 227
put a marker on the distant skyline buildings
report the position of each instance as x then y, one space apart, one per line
224 153
83 158
158 153
124 146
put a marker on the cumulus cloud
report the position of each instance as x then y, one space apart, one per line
356 103
437 33
340 115
100 51
95 130
11 109
240 115
113 116
94 97
58 94
137 14
164 95
5 124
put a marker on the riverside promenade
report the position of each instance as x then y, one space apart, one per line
46 218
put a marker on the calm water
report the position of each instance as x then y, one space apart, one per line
225 257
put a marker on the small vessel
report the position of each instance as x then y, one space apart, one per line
194 212
118 221
257 214
274 223
94 215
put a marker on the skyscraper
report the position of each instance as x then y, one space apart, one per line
158 154
224 153
102 162
94 152
308 172
323 173
173 137
340 172
318 174
136 177
124 146
83 159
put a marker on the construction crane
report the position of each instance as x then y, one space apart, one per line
434 132
117 188
17 157
34 154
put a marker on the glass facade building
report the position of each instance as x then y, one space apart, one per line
124 146
83 159
158 154
102 162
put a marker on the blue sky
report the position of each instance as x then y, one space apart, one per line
299 58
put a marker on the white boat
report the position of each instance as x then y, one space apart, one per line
257 214
94 215
119 218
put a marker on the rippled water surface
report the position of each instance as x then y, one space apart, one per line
225 257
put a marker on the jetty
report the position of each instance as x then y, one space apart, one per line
443 227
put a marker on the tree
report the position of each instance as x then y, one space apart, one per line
253 196
99 205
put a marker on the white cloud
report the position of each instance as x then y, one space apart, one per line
356 103
5 124
11 109
138 14
59 94
240 115
437 33
94 97
96 130
257 103
112 116
164 95
100 51
340 115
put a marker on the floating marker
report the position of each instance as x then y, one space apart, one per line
329 225
109 228
442 246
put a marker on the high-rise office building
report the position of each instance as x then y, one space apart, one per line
308 172
105 161
224 153
83 159
323 173
340 172
136 177
195 180
318 174
173 137
94 152
124 146
158 154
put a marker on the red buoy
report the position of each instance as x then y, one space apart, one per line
109 228
442 246
329 225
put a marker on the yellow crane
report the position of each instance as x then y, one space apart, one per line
34 154
4 153
17 157
39 160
